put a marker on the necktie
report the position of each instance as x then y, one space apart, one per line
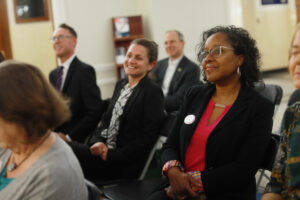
60 72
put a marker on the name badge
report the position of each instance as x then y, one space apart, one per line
189 119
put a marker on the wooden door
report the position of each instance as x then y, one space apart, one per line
5 45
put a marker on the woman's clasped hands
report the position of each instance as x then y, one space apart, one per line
99 149
182 185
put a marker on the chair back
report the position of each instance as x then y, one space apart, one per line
93 192
272 92
270 154
168 123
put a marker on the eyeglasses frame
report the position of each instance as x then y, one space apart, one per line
60 38
209 52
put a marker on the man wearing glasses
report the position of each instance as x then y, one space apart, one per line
77 81
176 73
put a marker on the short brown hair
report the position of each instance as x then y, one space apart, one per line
28 99
71 30
151 47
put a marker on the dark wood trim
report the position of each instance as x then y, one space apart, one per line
5 44
32 19
298 10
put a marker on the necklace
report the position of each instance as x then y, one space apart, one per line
219 105
13 165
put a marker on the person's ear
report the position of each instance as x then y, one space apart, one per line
151 65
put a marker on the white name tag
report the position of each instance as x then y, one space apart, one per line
189 119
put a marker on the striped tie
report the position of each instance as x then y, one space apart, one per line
60 73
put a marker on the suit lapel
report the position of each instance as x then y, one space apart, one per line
197 111
71 71
238 106
134 95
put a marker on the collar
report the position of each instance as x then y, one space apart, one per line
67 63
176 61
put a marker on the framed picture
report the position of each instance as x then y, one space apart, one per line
272 2
31 10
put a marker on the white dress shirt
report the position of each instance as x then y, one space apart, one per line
169 74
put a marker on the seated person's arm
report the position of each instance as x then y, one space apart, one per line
271 196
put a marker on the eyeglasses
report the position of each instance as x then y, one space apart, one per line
60 38
214 52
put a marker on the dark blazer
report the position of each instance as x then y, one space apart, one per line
86 104
234 149
187 74
139 126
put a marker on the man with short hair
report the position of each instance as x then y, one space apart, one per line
77 81
176 73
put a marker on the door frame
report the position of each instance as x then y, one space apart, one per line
4 30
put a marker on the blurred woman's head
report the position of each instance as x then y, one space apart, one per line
140 58
226 52
29 101
294 58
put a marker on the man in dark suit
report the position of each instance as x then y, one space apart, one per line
176 73
77 81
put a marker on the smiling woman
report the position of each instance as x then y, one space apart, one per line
210 151
130 126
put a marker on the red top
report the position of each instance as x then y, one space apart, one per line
195 154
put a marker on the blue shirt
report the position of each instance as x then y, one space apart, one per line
3 180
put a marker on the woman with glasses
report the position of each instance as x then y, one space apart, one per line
223 127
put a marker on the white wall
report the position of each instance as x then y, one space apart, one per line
190 17
92 20
272 27
30 42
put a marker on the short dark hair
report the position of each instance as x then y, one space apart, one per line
71 30
151 47
180 35
28 99
243 44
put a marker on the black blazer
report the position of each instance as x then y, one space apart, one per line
139 126
86 104
234 149
187 74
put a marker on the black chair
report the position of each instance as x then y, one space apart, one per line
93 191
274 93
269 158
132 190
